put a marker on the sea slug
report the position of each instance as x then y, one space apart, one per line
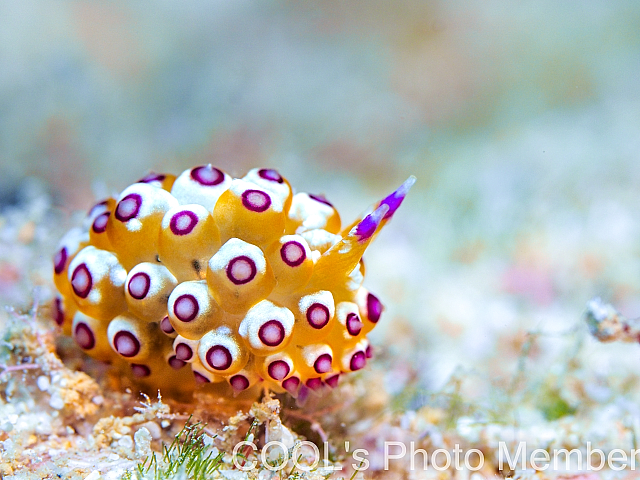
204 278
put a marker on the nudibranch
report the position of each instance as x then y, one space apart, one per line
204 278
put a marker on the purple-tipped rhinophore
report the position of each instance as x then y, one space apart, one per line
207 175
292 253
60 260
239 383
182 223
374 308
323 363
271 333
278 369
175 362
369 224
291 385
140 371
183 352
358 361
395 199
219 357
354 324
186 307
126 344
241 270
81 280
256 200
100 223
84 336
165 325
128 207
271 175
139 285
58 313
333 380
318 315
320 198
314 384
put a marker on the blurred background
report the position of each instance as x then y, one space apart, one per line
520 120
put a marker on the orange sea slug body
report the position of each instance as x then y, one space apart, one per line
203 278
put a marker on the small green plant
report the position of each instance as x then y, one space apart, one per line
247 437
187 455
553 406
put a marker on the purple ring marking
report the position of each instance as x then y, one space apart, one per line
182 223
256 200
60 260
100 223
139 370
323 363
186 307
239 382
175 362
302 394
58 316
95 207
84 336
126 344
152 177
271 333
138 285
314 383
321 199
207 175
333 381
358 361
81 280
271 175
219 357
354 324
278 369
183 352
241 270
318 315
374 308
291 384
201 379
368 352
128 207
292 253
165 325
